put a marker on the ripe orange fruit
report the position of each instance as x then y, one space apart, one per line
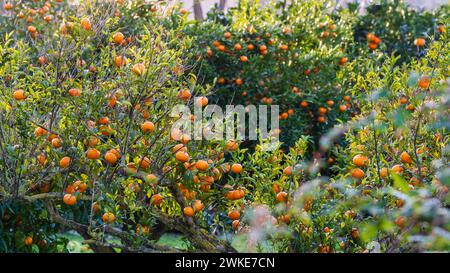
198 205
111 158
188 211
376 40
184 94
324 34
322 110
286 218
276 188
185 138
48 18
424 82
342 108
118 38
231 145
92 141
283 115
41 159
284 47
420 42
108 217
237 47
235 224
201 165
93 154
179 148
39 131
119 61
405 158
202 101
64 162
147 127
410 107
360 160
116 152
70 199
156 199
397 169
343 60
354 233
400 221
80 186
239 194
234 215
236 168
243 59
112 101
42 60
144 230
227 35
239 81
384 172
304 104
441 28
85 23
74 92
103 120
8 6
28 241
281 196
31 29
145 162
182 156
56 143
287 171
138 69
70 189
151 178
357 173
19 94
403 100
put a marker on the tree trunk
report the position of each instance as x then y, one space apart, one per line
198 12
222 4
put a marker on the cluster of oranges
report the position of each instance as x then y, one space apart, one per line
206 172
374 41
361 161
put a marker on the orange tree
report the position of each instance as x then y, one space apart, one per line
390 188
288 58
85 139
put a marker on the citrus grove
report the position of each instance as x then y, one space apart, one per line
87 146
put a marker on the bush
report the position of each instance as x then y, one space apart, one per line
287 58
